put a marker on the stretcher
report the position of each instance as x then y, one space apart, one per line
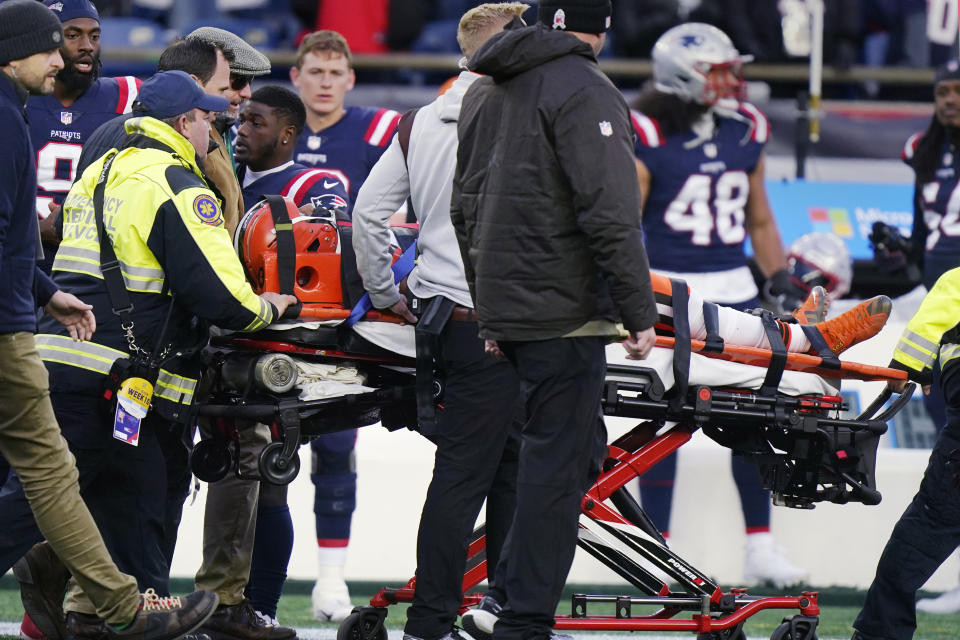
804 450
781 411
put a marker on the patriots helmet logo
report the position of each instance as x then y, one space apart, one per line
331 202
691 40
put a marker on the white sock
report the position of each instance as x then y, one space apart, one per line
332 556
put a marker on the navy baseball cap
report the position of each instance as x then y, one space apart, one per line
70 9
170 93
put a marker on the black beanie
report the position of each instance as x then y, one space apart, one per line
585 16
27 27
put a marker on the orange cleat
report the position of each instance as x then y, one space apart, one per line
814 308
856 325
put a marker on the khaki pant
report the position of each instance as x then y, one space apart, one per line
230 521
30 440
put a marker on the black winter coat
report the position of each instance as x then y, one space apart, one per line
545 201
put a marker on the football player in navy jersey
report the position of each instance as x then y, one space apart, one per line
934 155
268 125
348 140
700 158
81 101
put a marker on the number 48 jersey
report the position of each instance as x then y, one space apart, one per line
58 132
694 216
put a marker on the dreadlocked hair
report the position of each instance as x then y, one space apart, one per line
673 114
926 159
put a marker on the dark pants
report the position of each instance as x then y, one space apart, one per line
476 458
562 445
123 486
926 534
177 457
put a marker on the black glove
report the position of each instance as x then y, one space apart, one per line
782 293
892 253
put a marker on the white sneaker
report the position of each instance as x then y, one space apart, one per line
946 602
765 562
331 600
478 622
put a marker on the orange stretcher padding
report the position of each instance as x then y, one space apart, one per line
804 362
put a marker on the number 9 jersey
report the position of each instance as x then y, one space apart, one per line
695 212
58 133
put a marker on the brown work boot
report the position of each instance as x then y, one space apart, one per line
814 308
43 585
856 325
165 618
241 622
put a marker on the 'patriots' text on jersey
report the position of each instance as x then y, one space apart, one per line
351 146
58 133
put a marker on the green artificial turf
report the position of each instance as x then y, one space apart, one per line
839 606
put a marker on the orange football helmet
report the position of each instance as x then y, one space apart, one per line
305 263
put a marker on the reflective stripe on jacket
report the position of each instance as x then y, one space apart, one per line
166 227
932 332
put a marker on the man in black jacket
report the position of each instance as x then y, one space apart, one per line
547 212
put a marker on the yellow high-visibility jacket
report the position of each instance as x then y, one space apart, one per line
933 332
168 233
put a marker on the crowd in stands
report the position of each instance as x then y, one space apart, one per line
871 32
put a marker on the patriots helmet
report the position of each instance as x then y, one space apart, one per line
698 63
821 258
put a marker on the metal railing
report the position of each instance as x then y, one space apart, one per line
623 67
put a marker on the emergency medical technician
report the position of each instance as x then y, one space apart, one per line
178 271
30 36
929 530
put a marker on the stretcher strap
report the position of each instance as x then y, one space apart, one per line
711 321
778 354
681 347
401 269
830 359
286 247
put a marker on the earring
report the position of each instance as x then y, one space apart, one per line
283 142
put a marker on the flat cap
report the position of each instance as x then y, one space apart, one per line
246 60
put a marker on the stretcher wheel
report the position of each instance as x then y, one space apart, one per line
211 460
796 628
274 469
365 623
733 633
